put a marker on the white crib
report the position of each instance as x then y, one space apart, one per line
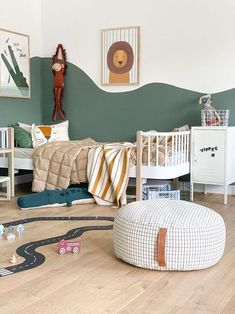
160 155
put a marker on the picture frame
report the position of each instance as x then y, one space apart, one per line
120 55
14 64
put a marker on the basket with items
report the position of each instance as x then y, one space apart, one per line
211 116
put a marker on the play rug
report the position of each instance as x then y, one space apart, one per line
28 250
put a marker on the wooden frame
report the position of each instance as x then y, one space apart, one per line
14 64
125 43
7 196
7 150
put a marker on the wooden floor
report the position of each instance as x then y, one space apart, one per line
96 282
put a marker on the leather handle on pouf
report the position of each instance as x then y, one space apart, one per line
161 240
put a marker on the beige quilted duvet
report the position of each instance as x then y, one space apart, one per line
59 164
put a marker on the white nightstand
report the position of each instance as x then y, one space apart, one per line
212 157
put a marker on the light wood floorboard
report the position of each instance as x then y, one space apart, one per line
95 282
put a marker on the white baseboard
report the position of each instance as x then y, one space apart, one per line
214 188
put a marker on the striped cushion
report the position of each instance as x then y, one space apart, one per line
195 237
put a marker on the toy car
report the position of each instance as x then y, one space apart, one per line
63 246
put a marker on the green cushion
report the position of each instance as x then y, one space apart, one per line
22 137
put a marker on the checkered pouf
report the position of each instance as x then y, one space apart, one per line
168 235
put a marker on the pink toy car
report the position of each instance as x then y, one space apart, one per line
64 246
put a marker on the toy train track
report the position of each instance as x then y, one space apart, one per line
28 251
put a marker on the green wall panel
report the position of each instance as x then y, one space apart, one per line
104 115
117 116
24 110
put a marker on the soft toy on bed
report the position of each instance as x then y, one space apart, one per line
51 198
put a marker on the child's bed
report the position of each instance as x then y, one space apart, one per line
160 155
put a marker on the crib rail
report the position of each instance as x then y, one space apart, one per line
163 149
6 139
161 155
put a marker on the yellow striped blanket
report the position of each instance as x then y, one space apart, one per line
108 173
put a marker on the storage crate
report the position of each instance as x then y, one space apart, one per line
158 191
215 117
185 190
178 191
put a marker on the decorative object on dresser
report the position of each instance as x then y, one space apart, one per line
209 115
212 157
7 150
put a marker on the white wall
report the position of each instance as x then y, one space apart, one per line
187 43
24 16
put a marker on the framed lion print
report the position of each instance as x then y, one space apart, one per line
120 56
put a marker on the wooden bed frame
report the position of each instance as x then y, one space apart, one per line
7 153
176 146
19 163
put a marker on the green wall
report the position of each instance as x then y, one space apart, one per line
107 116
117 116
25 110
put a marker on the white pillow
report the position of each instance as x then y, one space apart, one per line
26 127
61 129
38 138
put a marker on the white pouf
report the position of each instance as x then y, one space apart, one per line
185 235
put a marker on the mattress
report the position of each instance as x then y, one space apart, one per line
26 153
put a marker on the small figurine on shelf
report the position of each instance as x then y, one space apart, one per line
210 116
20 230
1 231
13 259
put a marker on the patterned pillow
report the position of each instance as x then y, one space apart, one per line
61 129
43 134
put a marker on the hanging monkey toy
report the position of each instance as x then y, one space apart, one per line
59 69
